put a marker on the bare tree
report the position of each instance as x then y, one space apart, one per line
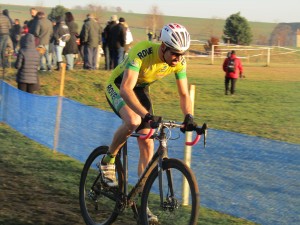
282 35
119 9
98 10
154 20
212 41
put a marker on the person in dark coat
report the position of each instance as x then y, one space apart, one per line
9 46
71 47
6 13
27 64
44 31
5 27
106 46
16 32
33 23
117 42
61 30
91 39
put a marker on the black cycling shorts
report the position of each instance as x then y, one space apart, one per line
116 102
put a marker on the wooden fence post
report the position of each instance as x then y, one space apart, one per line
188 152
59 107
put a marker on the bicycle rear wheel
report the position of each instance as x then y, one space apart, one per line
99 204
170 210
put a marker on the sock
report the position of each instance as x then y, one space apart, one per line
109 158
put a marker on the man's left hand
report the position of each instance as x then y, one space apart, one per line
189 124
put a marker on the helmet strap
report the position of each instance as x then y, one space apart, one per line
164 51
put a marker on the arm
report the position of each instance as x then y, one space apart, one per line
240 66
126 91
185 100
37 29
19 61
225 65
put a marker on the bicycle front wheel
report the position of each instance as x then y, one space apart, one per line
99 204
163 205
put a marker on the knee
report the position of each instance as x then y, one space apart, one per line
133 122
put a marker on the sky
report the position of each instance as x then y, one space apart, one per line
253 10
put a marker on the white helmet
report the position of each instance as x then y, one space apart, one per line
175 36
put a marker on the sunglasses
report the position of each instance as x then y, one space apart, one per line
177 54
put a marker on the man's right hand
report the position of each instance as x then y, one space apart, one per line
155 120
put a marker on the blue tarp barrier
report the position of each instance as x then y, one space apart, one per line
249 177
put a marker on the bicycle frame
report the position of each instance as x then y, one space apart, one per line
157 159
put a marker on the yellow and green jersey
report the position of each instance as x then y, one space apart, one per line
144 59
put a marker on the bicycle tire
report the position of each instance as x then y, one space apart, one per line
99 205
172 212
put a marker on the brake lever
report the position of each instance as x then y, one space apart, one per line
204 138
203 131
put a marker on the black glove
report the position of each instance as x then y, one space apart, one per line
189 124
241 75
155 120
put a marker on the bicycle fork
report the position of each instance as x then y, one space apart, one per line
167 200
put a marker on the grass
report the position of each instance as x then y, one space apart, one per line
41 187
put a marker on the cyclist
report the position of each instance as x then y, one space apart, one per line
127 92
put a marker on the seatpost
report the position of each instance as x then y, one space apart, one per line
125 168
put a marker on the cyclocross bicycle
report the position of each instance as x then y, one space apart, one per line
160 185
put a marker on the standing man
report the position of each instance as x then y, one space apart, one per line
44 31
118 40
71 47
61 34
106 35
91 39
233 69
127 92
33 22
5 27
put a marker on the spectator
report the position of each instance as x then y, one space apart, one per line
91 39
44 31
107 50
6 13
27 64
129 38
61 31
5 26
25 29
150 36
52 54
233 69
81 45
117 42
71 47
16 32
105 47
9 47
32 23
